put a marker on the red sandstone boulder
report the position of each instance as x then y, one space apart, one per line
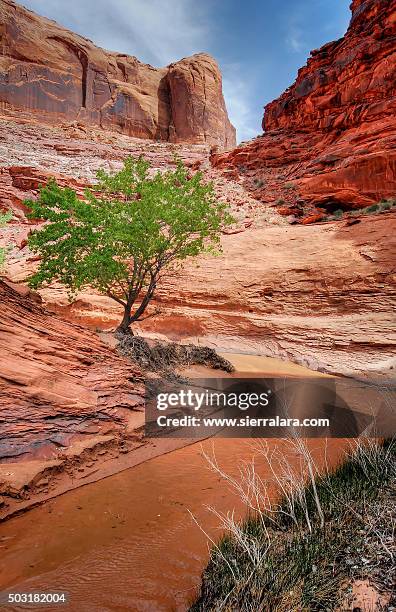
312 219
286 211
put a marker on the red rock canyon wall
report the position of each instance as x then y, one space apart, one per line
57 76
333 132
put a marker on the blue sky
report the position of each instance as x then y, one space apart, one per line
259 44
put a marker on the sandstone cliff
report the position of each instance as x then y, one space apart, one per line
57 76
347 82
319 295
58 382
330 139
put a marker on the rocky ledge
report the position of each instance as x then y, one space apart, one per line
65 398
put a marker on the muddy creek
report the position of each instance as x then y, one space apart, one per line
128 542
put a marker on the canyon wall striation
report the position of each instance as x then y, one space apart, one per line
330 139
319 295
54 75
58 381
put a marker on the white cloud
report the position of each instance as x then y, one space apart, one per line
294 39
294 36
305 24
238 94
156 31
163 30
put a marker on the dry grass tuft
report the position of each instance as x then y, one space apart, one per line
305 552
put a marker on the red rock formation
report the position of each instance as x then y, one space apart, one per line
31 152
317 294
58 382
332 133
321 295
197 103
17 183
345 82
56 75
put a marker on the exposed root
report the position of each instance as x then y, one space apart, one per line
166 358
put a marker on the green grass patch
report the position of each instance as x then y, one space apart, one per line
301 566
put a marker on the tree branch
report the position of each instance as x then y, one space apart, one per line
150 292
115 298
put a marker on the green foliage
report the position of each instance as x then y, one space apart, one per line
289 186
382 206
373 209
130 227
308 569
386 205
3 220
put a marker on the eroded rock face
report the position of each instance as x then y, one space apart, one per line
56 75
317 294
320 295
333 133
58 382
345 82
32 152
197 107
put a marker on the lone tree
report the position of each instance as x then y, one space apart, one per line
129 229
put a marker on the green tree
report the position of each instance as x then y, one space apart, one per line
3 220
132 226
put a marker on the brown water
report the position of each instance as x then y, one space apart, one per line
128 542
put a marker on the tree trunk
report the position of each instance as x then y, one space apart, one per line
124 326
128 318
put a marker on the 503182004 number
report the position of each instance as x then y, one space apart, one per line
58 597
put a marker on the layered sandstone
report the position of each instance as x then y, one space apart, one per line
59 383
319 295
347 82
330 139
57 76
32 152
